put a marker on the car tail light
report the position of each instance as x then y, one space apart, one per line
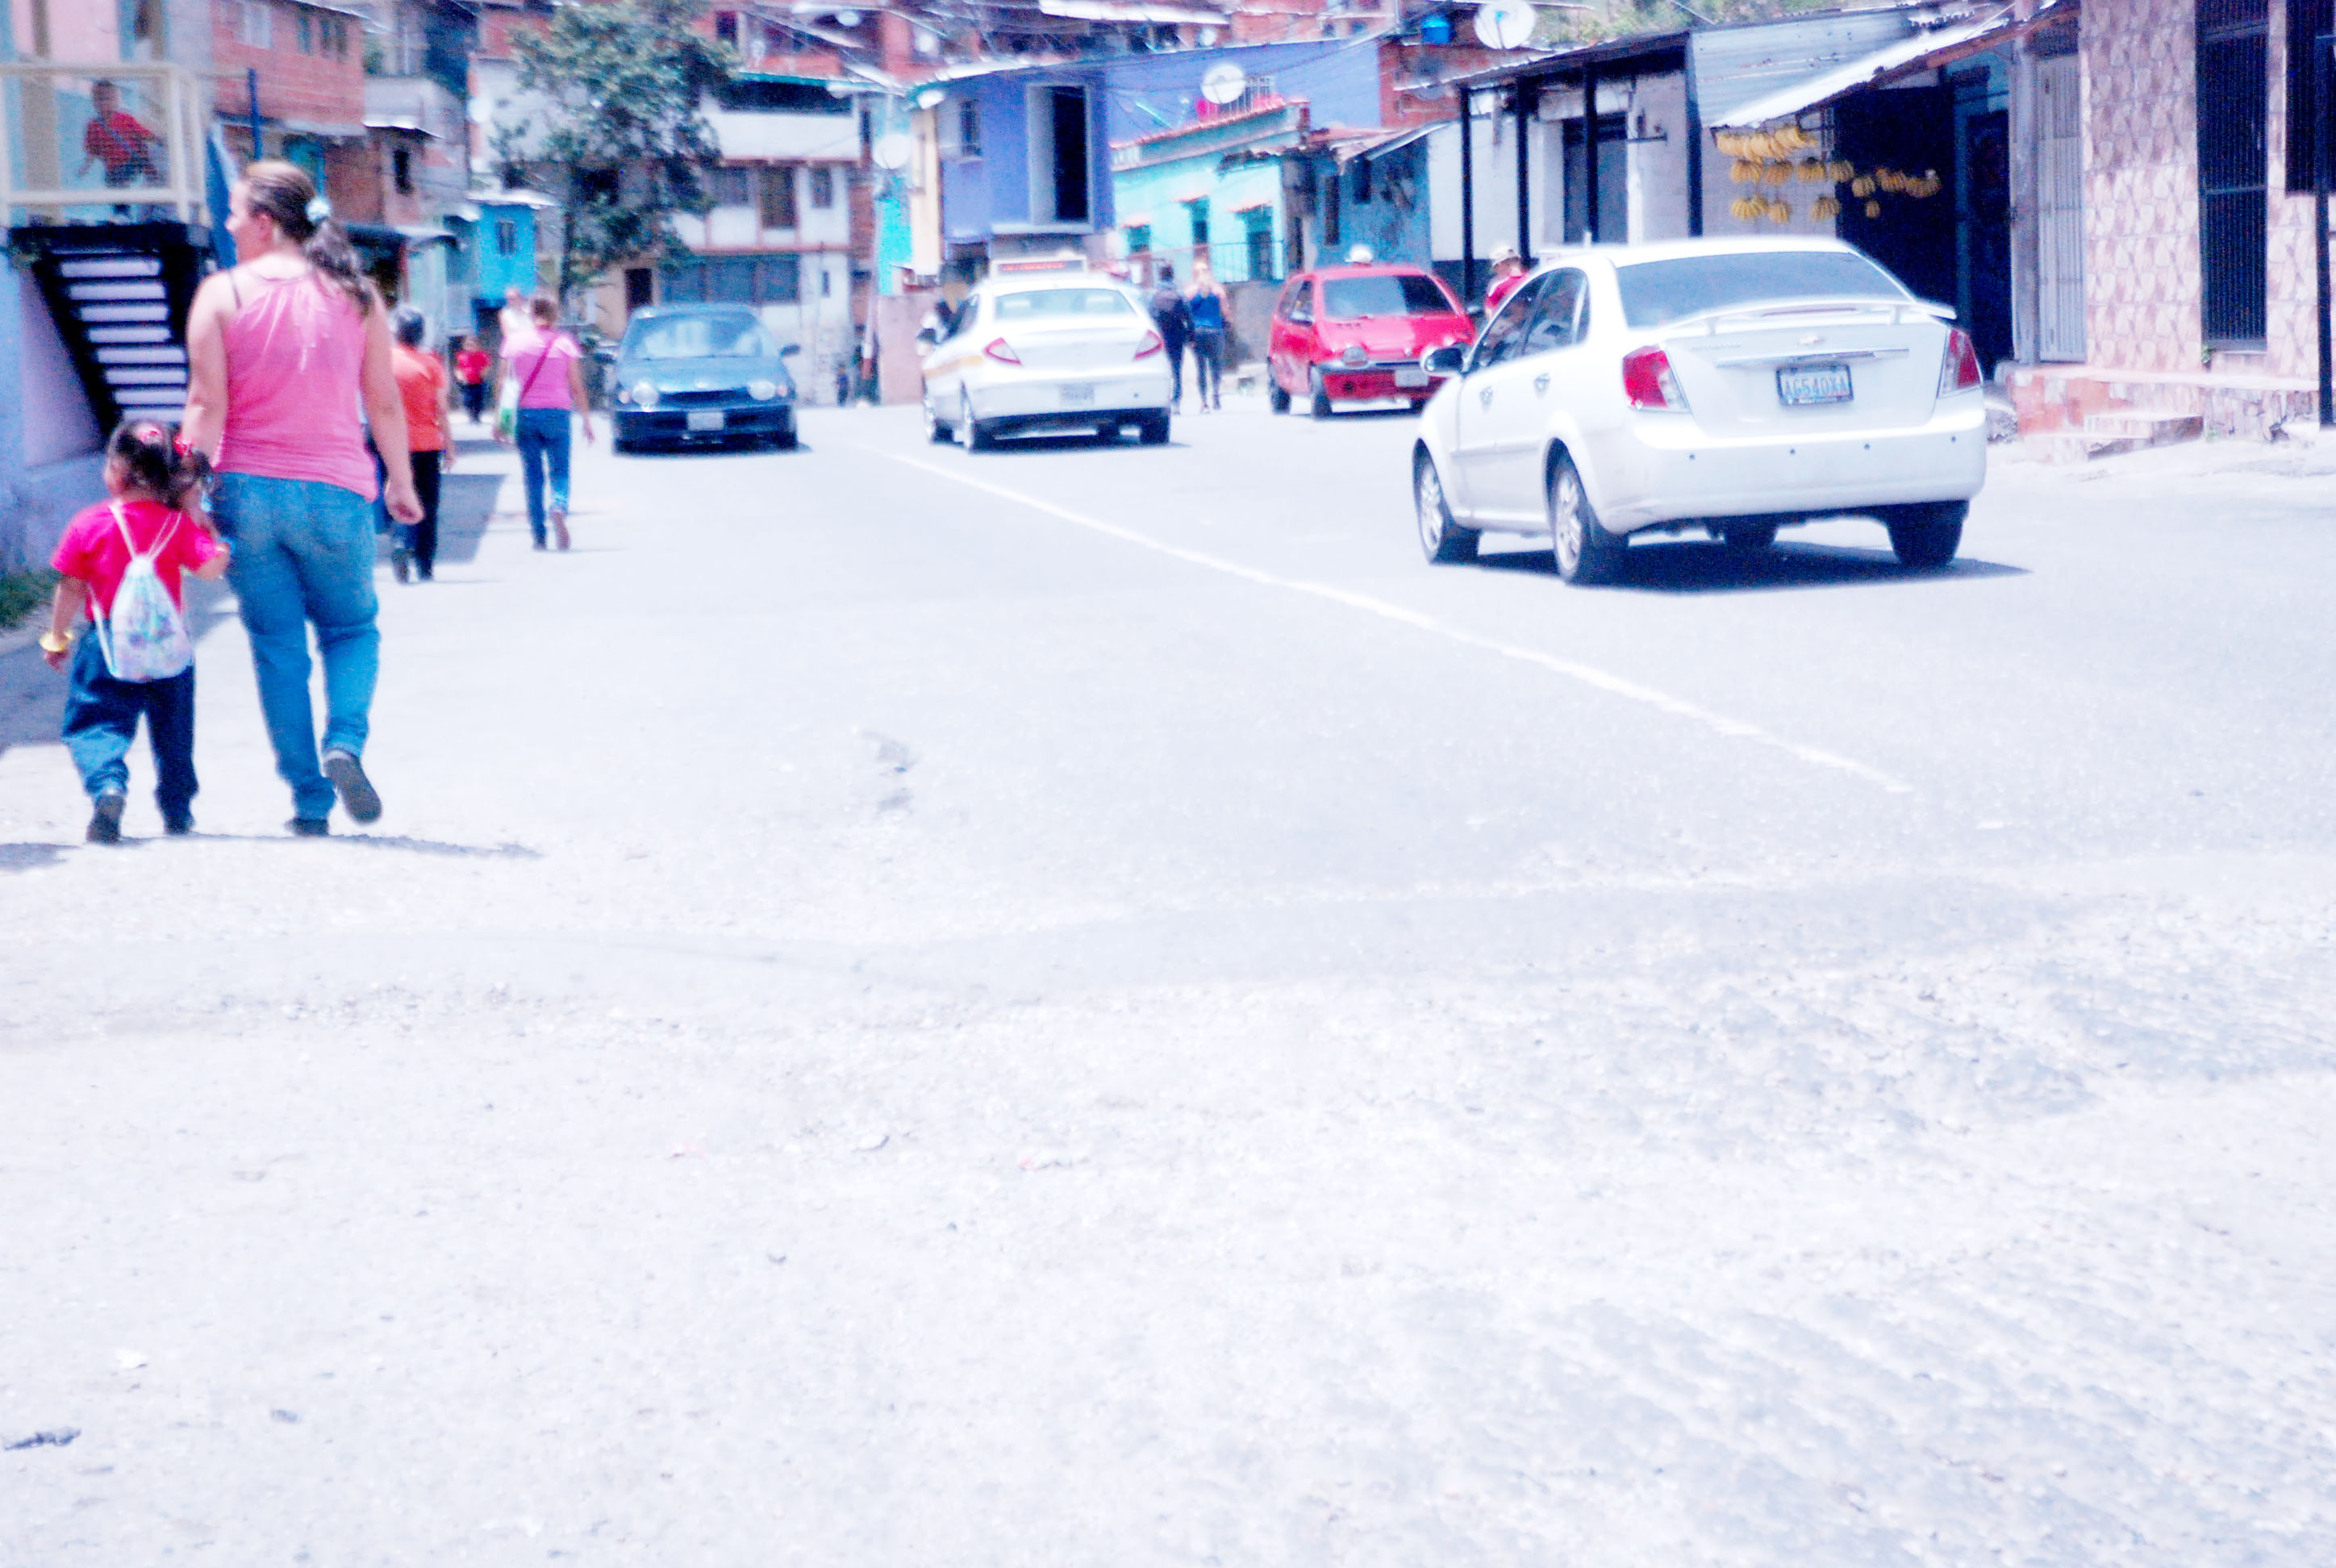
1958 370
1149 347
1002 351
1648 382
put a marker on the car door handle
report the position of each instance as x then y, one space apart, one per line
1485 396
1540 384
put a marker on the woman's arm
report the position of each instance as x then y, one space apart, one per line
576 399
205 419
386 410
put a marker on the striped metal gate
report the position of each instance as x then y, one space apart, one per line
2060 211
2233 169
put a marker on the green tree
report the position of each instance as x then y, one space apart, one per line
623 84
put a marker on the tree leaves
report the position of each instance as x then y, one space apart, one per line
623 86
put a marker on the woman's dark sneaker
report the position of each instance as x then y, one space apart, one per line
105 821
178 827
358 797
309 827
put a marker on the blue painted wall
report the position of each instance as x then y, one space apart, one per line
493 273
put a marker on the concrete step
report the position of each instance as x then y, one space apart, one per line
2146 429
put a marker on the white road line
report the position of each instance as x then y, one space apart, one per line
1587 675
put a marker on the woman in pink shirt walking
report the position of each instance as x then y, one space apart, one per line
281 351
549 367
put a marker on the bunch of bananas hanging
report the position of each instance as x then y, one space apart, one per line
1766 146
1755 208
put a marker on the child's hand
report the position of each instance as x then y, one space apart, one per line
55 661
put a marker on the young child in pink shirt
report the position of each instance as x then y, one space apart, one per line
151 481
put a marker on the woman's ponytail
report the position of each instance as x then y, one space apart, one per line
285 192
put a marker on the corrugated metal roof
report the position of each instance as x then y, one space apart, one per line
1902 57
1738 66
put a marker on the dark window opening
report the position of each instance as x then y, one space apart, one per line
2233 169
751 95
506 237
726 27
733 187
2308 21
823 187
969 128
1066 108
1614 182
401 170
778 196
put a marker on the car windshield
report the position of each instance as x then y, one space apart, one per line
1034 302
1656 293
1402 294
698 338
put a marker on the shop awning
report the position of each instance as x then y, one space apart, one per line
1134 11
1907 57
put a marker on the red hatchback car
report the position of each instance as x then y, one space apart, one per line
1356 333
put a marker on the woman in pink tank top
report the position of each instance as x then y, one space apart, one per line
283 352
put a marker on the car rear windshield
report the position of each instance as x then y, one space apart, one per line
1656 293
1030 302
1403 294
698 338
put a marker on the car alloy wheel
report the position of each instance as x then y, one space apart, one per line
937 429
1585 552
977 439
1441 539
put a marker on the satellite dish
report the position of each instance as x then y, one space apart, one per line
1224 82
1506 23
847 18
931 97
893 150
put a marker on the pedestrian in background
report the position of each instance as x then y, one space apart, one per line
1207 307
152 525
471 365
1173 320
281 350
422 386
1508 272
549 368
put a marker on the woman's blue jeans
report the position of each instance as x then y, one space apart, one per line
542 439
304 554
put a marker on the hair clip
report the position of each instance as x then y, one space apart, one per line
179 447
318 210
149 434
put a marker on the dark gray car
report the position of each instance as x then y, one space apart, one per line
700 374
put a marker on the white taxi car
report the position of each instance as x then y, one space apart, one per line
1731 385
1047 351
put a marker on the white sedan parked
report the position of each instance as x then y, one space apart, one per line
1730 385
1048 352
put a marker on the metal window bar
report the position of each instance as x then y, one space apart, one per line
52 166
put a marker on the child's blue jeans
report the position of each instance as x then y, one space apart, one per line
101 720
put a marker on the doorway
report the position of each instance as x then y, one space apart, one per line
1986 223
1910 130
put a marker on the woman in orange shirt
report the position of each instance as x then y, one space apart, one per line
429 399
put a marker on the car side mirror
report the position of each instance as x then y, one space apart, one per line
1445 361
789 349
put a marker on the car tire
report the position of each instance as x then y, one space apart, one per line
1926 537
1319 406
1276 398
621 447
937 429
1153 431
1585 552
978 436
785 439
1443 541
1748 534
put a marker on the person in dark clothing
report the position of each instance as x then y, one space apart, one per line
1174 320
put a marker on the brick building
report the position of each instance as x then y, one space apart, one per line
307 60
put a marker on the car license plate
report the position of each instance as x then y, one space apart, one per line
1411 375
1798 385
1077 392
704 419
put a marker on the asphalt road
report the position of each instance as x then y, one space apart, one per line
1083 1005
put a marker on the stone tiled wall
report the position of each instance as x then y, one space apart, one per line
2141 200
2291 350
2141 184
